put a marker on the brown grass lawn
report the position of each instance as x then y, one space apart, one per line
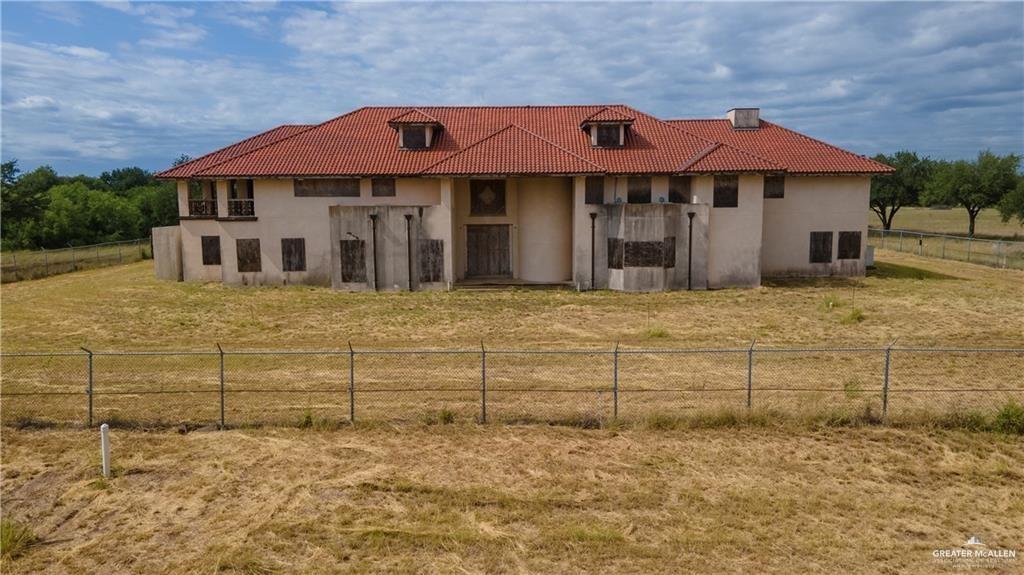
512 499
954 221
921 301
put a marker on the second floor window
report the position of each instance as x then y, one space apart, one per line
595 190
608 135
414 137
639 190
775 186
383 187
727 191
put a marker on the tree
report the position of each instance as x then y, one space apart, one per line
157 205
973 185
890 192
182 159
10 173
77 215
23 203
1012 204
123 179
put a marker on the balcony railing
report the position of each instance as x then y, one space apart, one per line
241 207
202 208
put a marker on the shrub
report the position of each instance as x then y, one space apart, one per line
855 316
830 302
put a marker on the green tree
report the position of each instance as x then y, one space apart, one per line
22 203
123 179
973 185
903 187
9 174
77 215
157 205
1012 204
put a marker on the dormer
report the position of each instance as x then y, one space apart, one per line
607 128
416 129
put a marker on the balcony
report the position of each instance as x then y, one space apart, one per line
241 208
202 208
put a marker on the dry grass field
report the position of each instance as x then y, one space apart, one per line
921 301
512 499
954 221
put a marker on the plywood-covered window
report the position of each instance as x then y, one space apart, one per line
327 188
414 137
487 197
775 187
293 254
616 249
639 190
431 260
679 189
383 187
608 135
727 191
821 247
211 250
353 261
248 255
849 245
595 190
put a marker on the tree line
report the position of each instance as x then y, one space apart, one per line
41 209
990 181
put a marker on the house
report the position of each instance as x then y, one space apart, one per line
407 198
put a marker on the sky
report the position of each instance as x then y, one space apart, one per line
90 87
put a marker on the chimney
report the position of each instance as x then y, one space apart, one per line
744 118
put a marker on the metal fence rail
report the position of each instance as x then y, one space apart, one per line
995 253
26 265
232 388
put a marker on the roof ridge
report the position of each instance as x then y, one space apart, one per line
498 132
730 146
700 156
239 143
275 142
410 111
817 141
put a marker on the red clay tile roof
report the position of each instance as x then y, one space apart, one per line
608 115
795 152
518 140
413 116
193 167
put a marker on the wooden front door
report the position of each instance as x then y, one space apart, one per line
487 251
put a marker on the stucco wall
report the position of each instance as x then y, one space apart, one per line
282 215
734 253
814 203
545 230
167 253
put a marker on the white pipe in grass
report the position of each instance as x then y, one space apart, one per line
105 448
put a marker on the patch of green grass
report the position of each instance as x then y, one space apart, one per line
655 332
15 538
1010 418
855 316
830 302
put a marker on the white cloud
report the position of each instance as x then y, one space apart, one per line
66 12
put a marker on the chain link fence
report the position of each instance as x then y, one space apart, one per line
26 265
240 388
995 253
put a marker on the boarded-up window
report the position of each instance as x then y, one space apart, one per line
293 254
615 253
383 187
595 190
248 255
644 255
431 260
679 189
211 250
727 191
849 245
821 247
353 261
487 197
327 188
249 188
608 136
414 137
775 186
639 190
668 252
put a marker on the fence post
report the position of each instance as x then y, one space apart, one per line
120 260
351 384
883 237
885 380
968 250
483 383
74 266
901 241
221 351
46 264
88 390
943 247
750 374
615 382
920 244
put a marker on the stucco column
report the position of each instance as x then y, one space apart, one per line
448 207
182 197
222 198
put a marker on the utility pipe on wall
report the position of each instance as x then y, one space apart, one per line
689 251
373 236
593 218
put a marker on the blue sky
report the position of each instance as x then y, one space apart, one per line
89 87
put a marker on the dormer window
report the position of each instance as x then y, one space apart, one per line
609 135
416 129
607 127
413 137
